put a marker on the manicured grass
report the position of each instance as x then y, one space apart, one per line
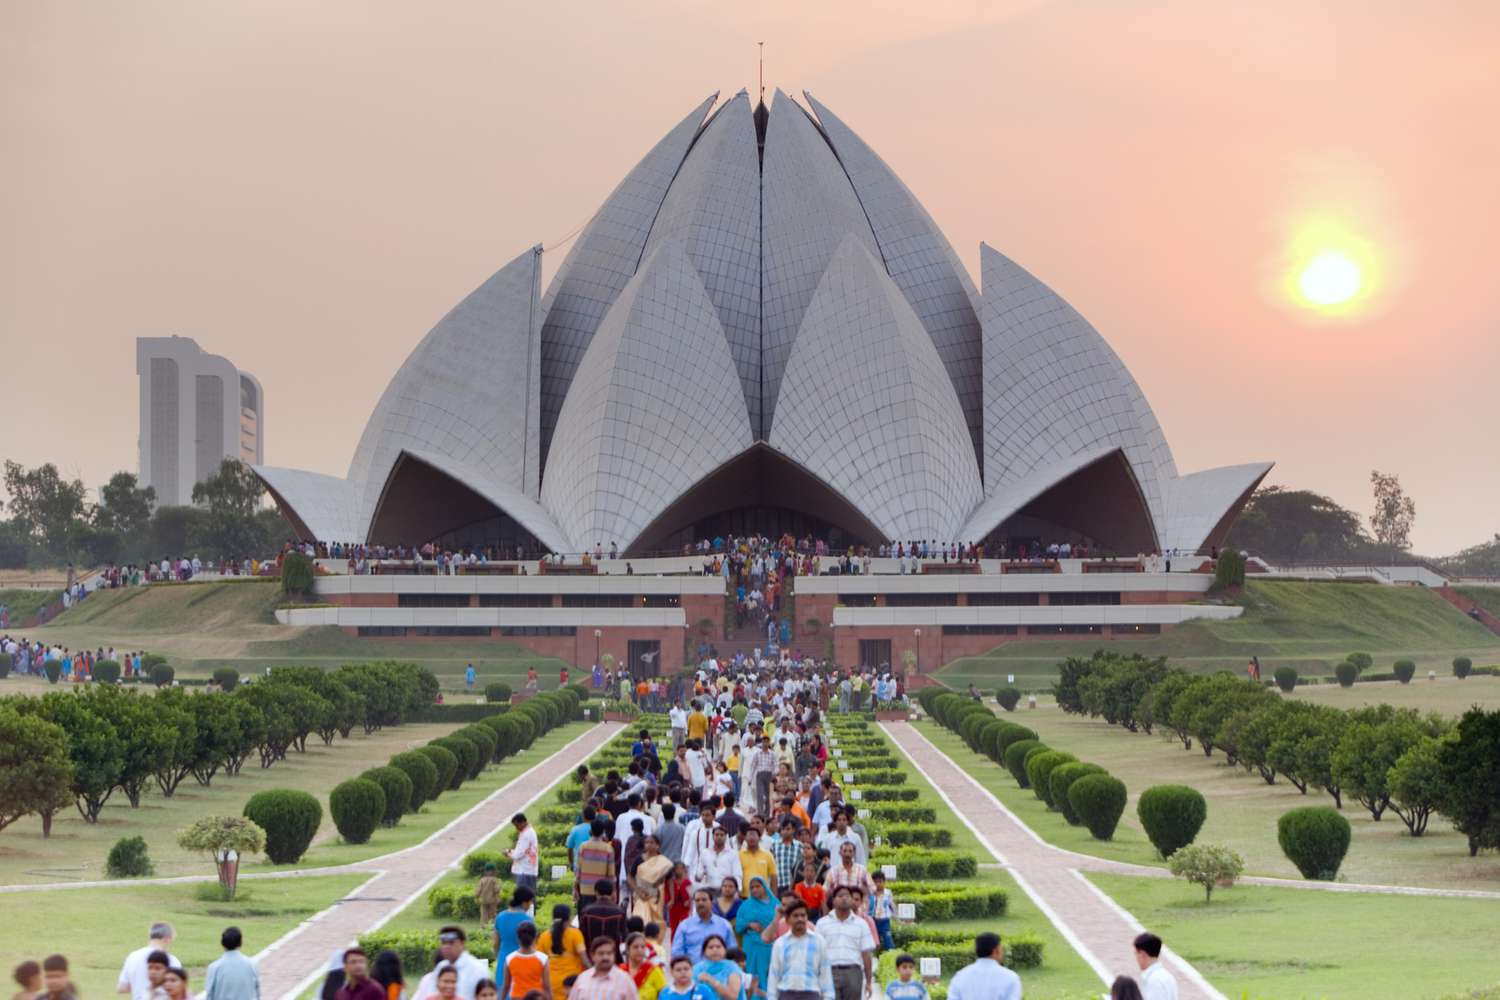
24 602
97 928
1486 597
1289 944
1242 808
1311 626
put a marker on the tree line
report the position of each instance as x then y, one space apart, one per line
1385 759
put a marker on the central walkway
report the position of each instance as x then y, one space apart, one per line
291 965
1097 927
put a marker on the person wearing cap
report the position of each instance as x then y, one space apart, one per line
453 947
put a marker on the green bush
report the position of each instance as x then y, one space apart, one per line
290 819
1008 697
1008 733
1361 661
1171 815
955 949
358 807
1063 776
1315 839
416 948
1099 801
916 835
446 762
1229 570
984 738
1015 759
297 575
397 788
484 741
1039 769
106 672
53 669
497 692
162 674
952 900
1462 667
128 858
447 901
1404 670
1346 672
1207 865
227 678
1286 678
422 773
464 751
923 863
526 731
6 661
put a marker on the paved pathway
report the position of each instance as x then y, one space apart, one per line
1097 927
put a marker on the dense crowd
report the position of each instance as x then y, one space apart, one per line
29 657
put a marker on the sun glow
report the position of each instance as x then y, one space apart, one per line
1328 269
1329 279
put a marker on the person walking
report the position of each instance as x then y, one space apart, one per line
696 929
799 968
505 928
850 945
488 894
986 978
1124 988
523 857
1156 982
453 951
605 980
357 982
567 955
232 976
133 977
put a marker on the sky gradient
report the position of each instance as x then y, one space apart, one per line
307 188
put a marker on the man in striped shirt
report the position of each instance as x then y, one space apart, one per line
799 960
787 851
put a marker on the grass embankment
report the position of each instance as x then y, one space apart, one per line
201 626
1295 944
1311 626
24 602
96 929
1487 598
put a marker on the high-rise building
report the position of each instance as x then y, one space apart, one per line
197 409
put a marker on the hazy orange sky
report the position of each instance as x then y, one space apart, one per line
307 188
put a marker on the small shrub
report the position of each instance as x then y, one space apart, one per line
497 692
297 575
1229 570
1009 698
53 670
106 672
1361 661
128 858
446 762
227 678
1462 667
1062 778
397 788
1015 759
1404 670
467 753
423 774
1315 839
1207 865
1099 800
162 674
6 661
1171 815
1347 673
1008 733
290 819
484 740
1286 678
358 806
1039 769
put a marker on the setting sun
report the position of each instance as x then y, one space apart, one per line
1327 269
1329 279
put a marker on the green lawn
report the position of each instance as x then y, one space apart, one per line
1311 626
24 602
96 929
1294 944
1486 597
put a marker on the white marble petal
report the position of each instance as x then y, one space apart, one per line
1197 503
325 508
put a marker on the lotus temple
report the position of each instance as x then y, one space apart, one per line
761 330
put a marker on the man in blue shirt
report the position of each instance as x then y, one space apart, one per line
233 976
469 677
580 833
986 978
691 933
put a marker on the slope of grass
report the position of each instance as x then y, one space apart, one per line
24 602
188 607
1295 944
1487 598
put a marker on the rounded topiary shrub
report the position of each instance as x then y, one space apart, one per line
1098 800
1315 839
1062 779
162 674
1346 673
969 728
227 678
446 762
1462 665
1361 661
397 788
526 732
297 575
1171 815
422 773
507 734
1008 733
1404 670
497 691
53 669
1015 759
6 662
128 859
484 739
467 753
106 672
1286 678
1039 769
1009 698
357 806
290 819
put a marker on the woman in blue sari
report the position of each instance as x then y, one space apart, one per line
718 973
757 912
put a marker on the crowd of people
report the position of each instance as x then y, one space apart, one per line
29 657
151 972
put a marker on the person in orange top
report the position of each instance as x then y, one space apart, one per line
525 968
810 890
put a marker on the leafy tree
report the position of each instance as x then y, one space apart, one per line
380 699
124 505
44 506
1313 756
1394 512
225 839
297 575
277 728
231 495
341 708
1415 783
35 770
1365 755
1470 764
1287 525
1116 686
149 734
1229 569
95 748
1203 708
174 529
252 726
1206 865
1294 722
216 734
1255 730
172 707
1164 699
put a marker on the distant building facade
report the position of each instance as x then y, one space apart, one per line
197 409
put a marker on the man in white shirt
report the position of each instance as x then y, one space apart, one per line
677 716
850 946
986 978
718 863
1156 982
524 856
622 823
698 837
697 762
453 947
134 978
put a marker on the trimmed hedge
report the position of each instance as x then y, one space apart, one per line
423 774
914 835
128 857
922 863
1286 678
1099 801
1009 698
1063 777
357 806
162 674
484 739
106 672
955 949
446 762
456 714
398 791
1015 759
1346 673
1315 839
497 693
1462 667
416 948
1039 768
952 901
465 752
1171 815
290 819
473 863
1404 669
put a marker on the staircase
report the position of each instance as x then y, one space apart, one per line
1469 608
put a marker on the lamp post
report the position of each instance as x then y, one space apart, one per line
917 634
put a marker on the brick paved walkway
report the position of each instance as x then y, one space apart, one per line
291 964
1097 927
